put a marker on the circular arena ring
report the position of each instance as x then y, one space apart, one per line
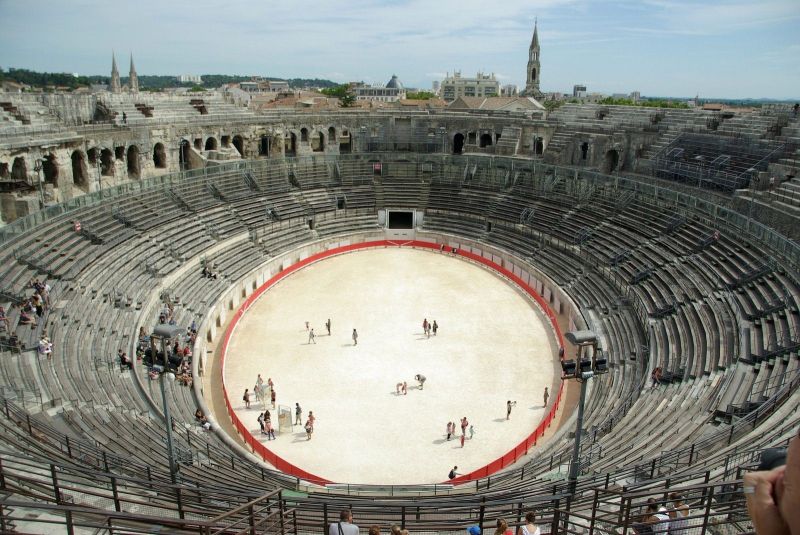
665 278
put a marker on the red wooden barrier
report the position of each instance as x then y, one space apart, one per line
509 458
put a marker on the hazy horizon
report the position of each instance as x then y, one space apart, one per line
726 49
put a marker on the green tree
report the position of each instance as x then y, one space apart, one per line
420 95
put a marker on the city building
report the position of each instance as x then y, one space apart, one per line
483 85
436 86
579 90
190 78
509 90
392 92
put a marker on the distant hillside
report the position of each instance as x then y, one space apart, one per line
42 80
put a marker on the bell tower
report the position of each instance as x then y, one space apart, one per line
534 72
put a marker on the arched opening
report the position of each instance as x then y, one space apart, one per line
106 162
533 74
458 143
331 135
304 135
290 144
4 173
538 145
318 142
198 143
610 161
79 172
226 141
485 140
160 156
345 143
50 169
183 155
584 150
19 169
263 146
93 153
132 158
211 143
238 143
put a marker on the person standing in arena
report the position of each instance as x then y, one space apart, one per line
355 337
546 396
435 327
298 414
449 429
328 326
425 326
311 336
509 404
420 379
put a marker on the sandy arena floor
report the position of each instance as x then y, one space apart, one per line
493 345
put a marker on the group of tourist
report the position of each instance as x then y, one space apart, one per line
661 518
345 526
451 430
31 311
429 328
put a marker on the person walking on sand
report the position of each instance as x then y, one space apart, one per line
449 429
397 388
311 337
463 437
246 398
425 326
464 424
298 414
405 388
328 326
311 419
434 327
355 337
307 326
546 396
471 431
270 430
309 429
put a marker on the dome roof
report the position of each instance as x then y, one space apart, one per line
394 83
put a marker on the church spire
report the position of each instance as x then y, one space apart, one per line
115 85
133 83
532 78
535 40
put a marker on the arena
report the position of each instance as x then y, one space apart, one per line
153 267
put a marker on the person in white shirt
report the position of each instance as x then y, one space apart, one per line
345 525
529 528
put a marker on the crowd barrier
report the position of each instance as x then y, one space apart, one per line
281 464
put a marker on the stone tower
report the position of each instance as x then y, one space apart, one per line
534 73
115 85
133 84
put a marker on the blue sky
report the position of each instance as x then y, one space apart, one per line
723 48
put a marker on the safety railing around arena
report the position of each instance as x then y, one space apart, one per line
506 460
649 190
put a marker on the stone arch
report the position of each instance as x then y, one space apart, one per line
485 140
238 143
318 142
19 169
304 135
50 169
106 162
585 150
263 145
458 143
610 161
226 141
533 74
538 145
4 172
211 143
331 135
132 160
159 156
79 172
290 144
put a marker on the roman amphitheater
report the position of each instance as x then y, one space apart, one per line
580 250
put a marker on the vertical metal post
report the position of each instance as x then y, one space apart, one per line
117 505
167 418
573 469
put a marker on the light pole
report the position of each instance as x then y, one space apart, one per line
38 165
582 369
166 332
